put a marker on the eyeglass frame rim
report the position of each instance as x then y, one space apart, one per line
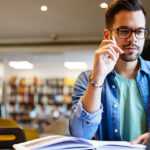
148 30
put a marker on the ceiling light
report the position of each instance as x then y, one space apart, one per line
103 5
20 65
75 65
44 8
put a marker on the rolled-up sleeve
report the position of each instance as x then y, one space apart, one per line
83 124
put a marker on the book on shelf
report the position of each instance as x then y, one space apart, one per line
57 142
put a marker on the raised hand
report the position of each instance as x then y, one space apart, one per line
105 59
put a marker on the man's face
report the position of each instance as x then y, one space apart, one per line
132 46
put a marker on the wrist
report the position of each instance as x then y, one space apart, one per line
96 79
95 83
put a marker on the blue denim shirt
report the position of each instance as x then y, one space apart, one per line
105 123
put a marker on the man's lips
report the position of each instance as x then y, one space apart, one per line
130 49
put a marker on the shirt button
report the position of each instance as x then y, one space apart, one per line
113 86
88 122
115 106
115 130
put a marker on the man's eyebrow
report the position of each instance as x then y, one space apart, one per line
123 27
141 28
126 27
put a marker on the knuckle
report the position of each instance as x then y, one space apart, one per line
139 137
109 50
103 42
110 47
96 52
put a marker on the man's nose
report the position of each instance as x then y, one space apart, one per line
133 37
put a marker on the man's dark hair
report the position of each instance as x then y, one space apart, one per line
118 5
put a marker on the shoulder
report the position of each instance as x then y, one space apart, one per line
81 84
83 78
85 75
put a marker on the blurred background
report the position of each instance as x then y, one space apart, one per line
44 46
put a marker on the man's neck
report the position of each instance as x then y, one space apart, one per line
127 69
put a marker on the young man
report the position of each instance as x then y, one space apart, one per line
113 100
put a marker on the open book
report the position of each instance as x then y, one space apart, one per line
58 142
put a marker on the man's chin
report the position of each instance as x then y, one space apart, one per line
129 58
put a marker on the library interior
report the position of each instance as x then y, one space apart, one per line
44 46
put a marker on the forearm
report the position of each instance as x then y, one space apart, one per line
103 65
92 96
92 99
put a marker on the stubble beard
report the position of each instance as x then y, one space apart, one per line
129 58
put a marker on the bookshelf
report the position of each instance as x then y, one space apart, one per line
35 102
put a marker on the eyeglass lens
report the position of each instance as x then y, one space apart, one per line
126 33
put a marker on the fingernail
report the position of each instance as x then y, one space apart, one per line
122 51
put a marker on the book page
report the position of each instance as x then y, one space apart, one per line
55 142
116 144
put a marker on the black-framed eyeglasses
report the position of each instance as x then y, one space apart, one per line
125 33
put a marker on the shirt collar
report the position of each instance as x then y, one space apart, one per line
144 66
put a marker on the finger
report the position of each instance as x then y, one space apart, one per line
110 49
114 49
117 55
117 49
144 142
138 139
109 52
106 42
106 48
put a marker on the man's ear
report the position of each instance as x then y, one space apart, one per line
107 35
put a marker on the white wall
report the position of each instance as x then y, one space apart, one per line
48 65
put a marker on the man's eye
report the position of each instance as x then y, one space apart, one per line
124 31
140 32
